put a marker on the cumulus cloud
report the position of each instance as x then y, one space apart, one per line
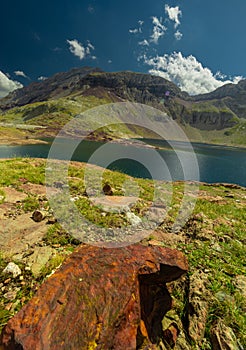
76 48
158 29
20 73
7 85
79 50
178 35
173 14
187 73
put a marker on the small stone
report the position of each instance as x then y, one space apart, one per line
217 248
12 268
7 281
133 219
21 278
240 284
107 190
222 296
56 245
8 306
11 295
52 220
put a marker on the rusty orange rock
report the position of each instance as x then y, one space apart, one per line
97 300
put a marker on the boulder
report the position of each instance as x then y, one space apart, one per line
99 299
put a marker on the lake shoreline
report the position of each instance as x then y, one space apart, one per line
127 142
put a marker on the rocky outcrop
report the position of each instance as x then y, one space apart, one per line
223 338
59 85
99 299
205 120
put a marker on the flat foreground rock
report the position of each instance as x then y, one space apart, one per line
99 299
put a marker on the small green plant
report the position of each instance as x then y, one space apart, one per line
30 203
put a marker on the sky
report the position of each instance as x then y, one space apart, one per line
198 44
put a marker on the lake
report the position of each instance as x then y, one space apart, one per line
215 163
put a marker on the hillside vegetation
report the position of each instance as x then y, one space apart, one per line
218 117
211 297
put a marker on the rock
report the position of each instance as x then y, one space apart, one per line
170 335
107 190
13 269
133 219
240 284
39 259
11 294
39 215
198 306
98 299
51 220
223 338
180 342
222 296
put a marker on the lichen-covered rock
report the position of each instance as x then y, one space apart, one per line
198 306
99 299
223 338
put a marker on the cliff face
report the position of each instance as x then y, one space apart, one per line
214 111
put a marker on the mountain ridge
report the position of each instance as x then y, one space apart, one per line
222 111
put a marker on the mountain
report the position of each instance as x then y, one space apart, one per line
219 116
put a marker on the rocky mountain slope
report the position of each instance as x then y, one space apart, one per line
55 100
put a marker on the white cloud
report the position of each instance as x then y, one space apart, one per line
90 46
158 29
42 78
178 35
134 31
20 73
187 73
7 85
137 30
173 14
77 49
144 42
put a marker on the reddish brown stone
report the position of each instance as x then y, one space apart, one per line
96 300
170 335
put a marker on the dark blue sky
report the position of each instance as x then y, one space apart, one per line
204 34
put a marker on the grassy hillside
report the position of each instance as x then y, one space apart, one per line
52 115
213 239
